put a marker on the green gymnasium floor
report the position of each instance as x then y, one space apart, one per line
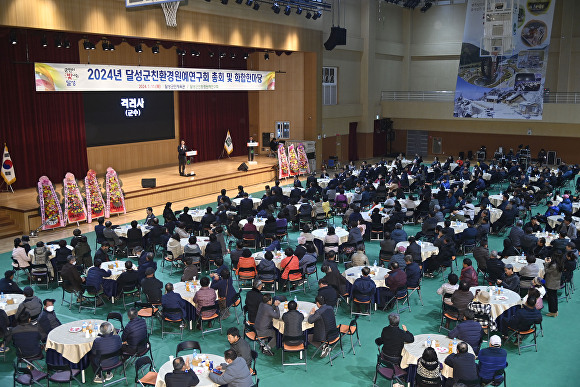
553 364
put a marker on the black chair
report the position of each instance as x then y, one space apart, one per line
251 239
499 378
237 301
131 290
143 347
147 311
187 345
39 272
90 294
271 284
350 330
27 376
294 348
448 313
253 370
389 371
116 316
307 275
16 267
109 368
62 373
145 379
68 289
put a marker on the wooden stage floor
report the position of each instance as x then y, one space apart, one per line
211 177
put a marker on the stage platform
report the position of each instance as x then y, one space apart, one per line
211 176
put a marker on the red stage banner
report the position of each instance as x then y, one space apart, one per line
74 205
50 210
283 170
302 159
95 202
294 169
115 199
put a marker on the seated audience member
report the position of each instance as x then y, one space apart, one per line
102 253
205 297
190 271
394 339
172 300
128 280
267 311
428 369
152 287
463 364
31 304
396 282
239 345
510 280
291 262
95 276
481 309
111 236
174 246
309 258
8 285
267 268
106 343
234 372
413 271
236 253
523 319
490 360
324 320
148 264
359 258
363 288
47 320
468 273
293 324
469 331
532 269
180 376
222 282
134 333
247 262
41 257
328 292
27 337
495 267
450 286
460 298
20 255
253 300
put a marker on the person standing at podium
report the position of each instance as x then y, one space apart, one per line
181 149
251 150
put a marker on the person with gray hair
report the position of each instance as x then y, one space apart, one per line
394 338
106 343
516 234
134 333
463 364
438 214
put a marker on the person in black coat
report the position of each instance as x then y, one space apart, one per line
180 377
27 337
128 280
101 254
8 285
394 338
414 250
173 300
254 299
134 333
106 343
181 150
328 292
151 287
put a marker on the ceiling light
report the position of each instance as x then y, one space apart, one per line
308 15
155 49
245 55
249 2
195 53
139 48
316 15
256 6
276 8
266 56
66 43
299 11
287 10
43 41
13 37
239 1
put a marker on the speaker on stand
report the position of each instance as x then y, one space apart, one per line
243 167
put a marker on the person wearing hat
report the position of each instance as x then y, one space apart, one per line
47 320
31 304
481 308
469 331
511 280
151 286
8 285
491 360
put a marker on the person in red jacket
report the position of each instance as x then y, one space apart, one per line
291 262
468 273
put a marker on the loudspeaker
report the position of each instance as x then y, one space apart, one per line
337 38
243 167
149 183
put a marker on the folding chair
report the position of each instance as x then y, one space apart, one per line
109 368
116 316
294 348
448 313
237 301
92 295
63 373
147 311
332 343
187 345
215 316
295 283
165 320
271 284
307 275
401 294
27 376
39 272
520 335
142 378
67 289
350 330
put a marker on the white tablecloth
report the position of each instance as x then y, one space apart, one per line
367 216
259 223
456 226
377 274
51 248
116 267
498 304
121 231
278 257
16 300
181 289
196 215
427 248
487 176
548 236
72 346
323 183
518 262
413 351
303 306
204 380
256 201
496 200
339 231
554 221
201 242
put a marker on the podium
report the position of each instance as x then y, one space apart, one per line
251 146
188 166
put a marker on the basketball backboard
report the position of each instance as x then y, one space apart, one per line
139 3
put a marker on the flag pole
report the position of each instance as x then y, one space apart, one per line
224 149
4 182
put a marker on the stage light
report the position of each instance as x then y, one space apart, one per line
105 46
266 56
256 5
287 10
211 54
155 49
195 53
88 45
426 7
308 15
276 8
224 2
245 55
239 1
316 15
13 37
249 2
233 55
180 51
58 42
139 48
222 55
299 11
66 43
43 41
111 47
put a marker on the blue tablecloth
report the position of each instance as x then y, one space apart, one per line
55 358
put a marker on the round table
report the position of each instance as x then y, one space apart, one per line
51 248
496 200
413 351
196 215
427 248
286 190
202 372
458 227
518 262
367 216
201 242
71 346
256 201
377 274
494 213
258 222
555 220
323 183
303 306
548 236
116 267
498 303
278 257
121 231
181 289
15 299
339 231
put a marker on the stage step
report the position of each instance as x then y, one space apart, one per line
8 227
